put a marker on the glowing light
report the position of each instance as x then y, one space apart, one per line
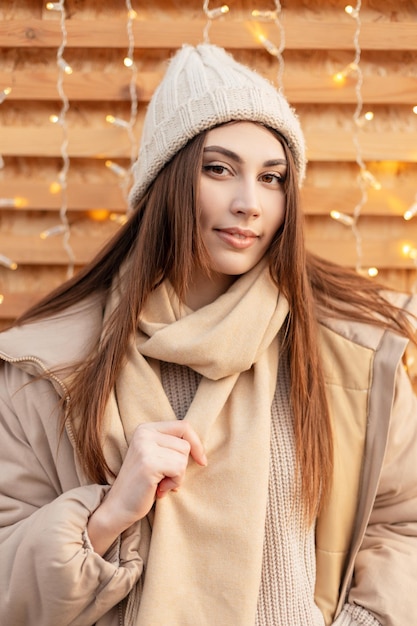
373 271
13 203
415 109
55 187
266 16
54 119
351 11
119 219
370 179
55 6
6 262
340 77
99 215
116 169
64 66
213 14
269 46
347 220
117 121
127 62
59 229
409 251
411 212
20 203
4 94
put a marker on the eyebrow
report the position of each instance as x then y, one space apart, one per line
238 159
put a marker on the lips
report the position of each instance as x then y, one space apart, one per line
239 238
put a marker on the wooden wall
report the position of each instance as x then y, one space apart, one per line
319 42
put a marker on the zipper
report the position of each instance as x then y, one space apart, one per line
34 359
51 376
120 612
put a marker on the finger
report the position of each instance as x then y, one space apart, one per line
184 430
167 484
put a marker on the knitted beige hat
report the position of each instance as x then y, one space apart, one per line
203 87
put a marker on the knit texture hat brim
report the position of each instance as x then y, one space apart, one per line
202 88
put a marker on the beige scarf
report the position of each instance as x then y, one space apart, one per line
205 555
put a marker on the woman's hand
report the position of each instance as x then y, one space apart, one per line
155 463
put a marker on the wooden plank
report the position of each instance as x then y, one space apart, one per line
299 87
30 250
109 143
383 202
381 253
300 34
80 86
35 195
13 304
81 196
113 143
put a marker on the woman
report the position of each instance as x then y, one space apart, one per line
207 425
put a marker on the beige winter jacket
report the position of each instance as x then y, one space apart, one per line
366 537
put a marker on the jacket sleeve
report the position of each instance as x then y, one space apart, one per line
49 574
385 572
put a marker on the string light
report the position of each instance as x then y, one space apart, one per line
212 14
269 46
119 219
364 119
370 179
8 263
116 168
117 121
365 177
274 50
59 229
415 109
128 61
340 77
411 253
63 69
347 220
3 94
16 203
351 11
411 211
265 16
55 6
7 202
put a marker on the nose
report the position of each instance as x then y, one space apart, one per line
246 200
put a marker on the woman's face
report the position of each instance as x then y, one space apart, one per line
242 200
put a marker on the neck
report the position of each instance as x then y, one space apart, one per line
205 289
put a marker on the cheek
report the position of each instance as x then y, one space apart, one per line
210 204
277 214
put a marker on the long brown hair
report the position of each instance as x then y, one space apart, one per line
162 239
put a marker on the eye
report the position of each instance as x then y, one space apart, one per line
216 169
273 178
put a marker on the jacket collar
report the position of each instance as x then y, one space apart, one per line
56 342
